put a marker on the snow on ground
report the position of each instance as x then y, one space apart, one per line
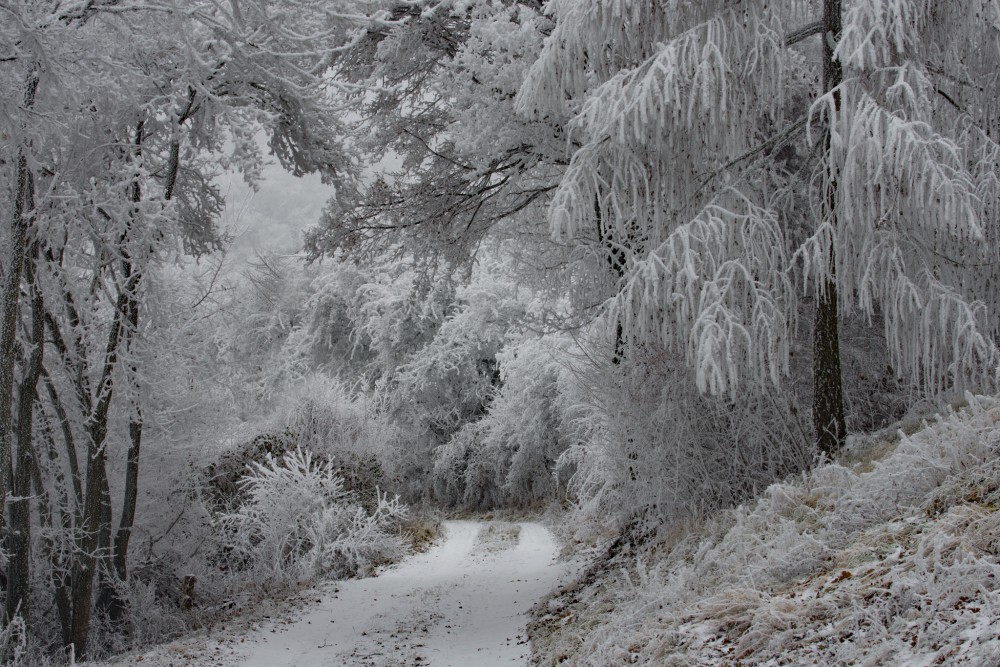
889 556
463 602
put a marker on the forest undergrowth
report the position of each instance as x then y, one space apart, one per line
889 554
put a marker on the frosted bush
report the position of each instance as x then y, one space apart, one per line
920 464
652 446
299 522
13 641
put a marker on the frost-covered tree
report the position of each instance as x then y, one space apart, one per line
123 113
438 113
508 457
748 162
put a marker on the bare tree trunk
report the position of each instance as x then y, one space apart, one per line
828 389
95 493
68 439
58 564
616 264
111 601
114 603
10 304
19 535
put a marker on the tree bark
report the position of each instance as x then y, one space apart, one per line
110 599
93 511
19 534
10 303
616 259
95 523
59 572
828 389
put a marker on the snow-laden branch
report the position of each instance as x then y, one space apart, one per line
705 79
717 291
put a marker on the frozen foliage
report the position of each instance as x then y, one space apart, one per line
867 561
650 448
462 163
298 522
717 176
701 292
450 379
508 457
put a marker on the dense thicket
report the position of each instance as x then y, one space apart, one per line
115 119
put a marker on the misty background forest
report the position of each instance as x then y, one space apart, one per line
646 267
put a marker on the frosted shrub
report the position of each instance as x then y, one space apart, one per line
13 637
323 416
652 446
298 522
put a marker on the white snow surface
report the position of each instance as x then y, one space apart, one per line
462 602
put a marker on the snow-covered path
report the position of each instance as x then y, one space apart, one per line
462 603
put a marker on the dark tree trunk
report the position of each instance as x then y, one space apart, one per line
111 601
19 535
828 390
115 605
59 567
88 547
66 428
95 526
10 304
617 259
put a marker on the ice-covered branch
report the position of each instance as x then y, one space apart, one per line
716 290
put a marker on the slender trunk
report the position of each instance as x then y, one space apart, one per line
93 530
616 263
115 605
828 399
58 565
113 602
19 535
68 439
110 599
10 303
828 390
86 557
131 495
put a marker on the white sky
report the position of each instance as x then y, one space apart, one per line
274 217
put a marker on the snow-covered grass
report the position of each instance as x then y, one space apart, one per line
890 555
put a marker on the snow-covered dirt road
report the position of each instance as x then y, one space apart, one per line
462 603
